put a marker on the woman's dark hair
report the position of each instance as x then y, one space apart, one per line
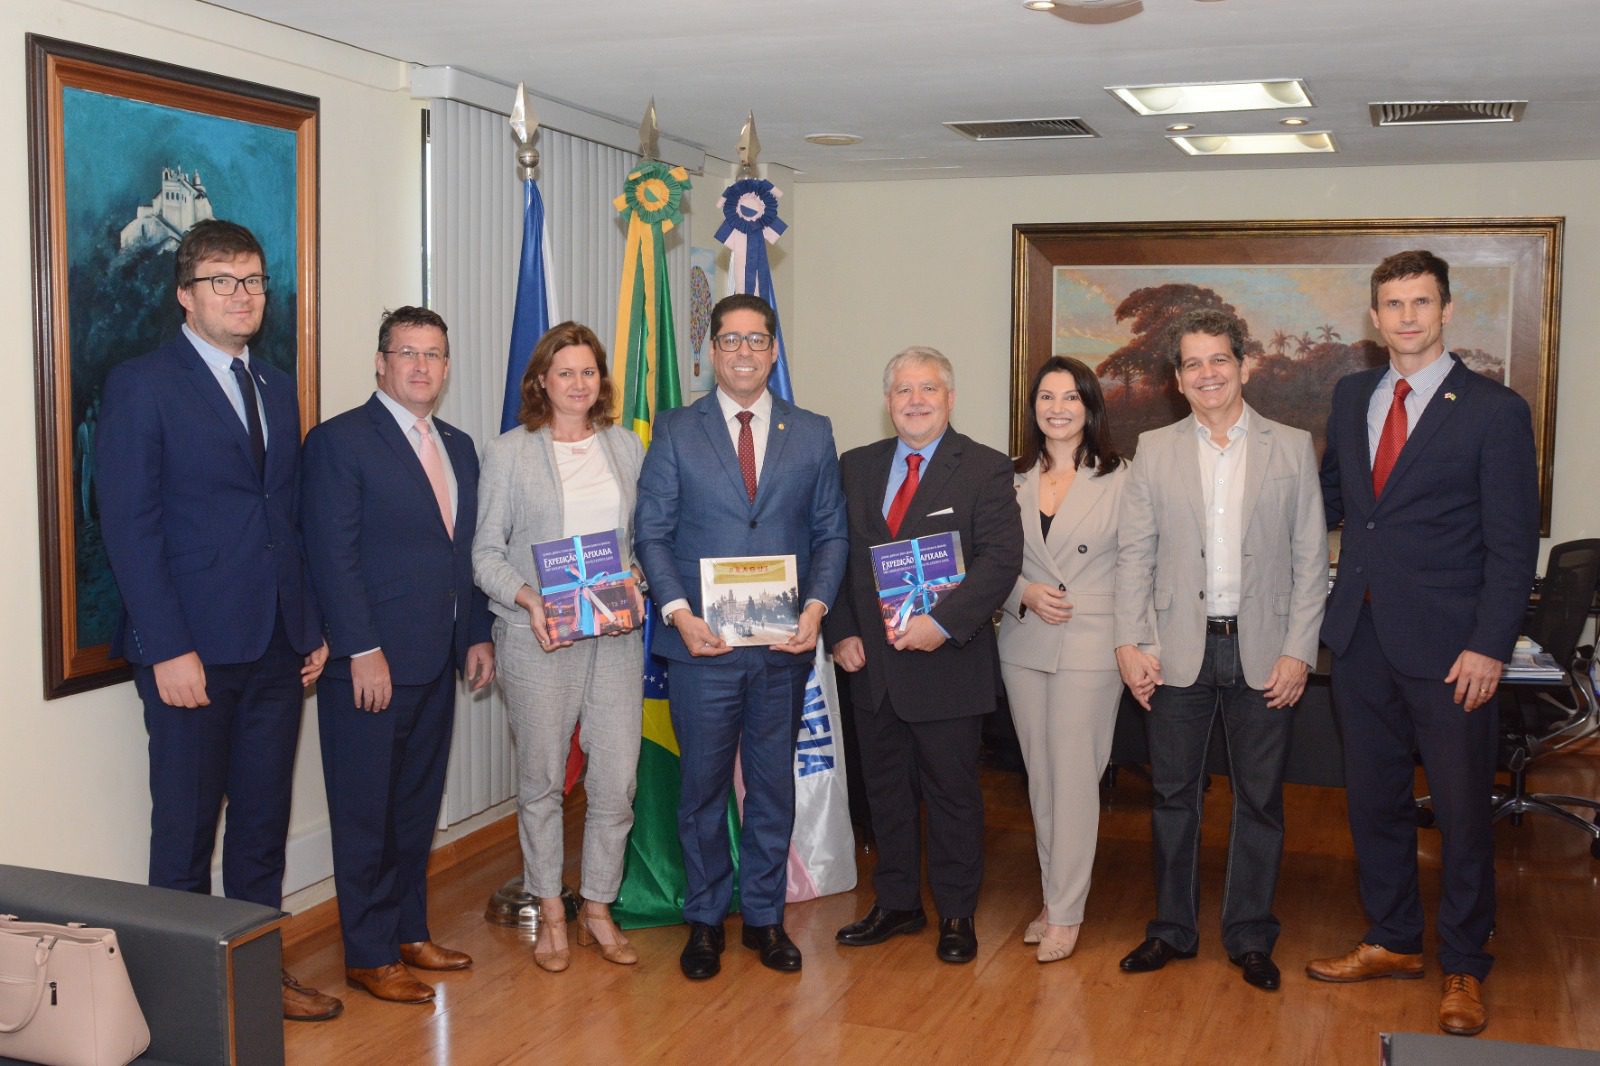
535 404
1095 448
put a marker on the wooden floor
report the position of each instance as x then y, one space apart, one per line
898 1003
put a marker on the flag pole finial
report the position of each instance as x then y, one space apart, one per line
649 133
749 147
524 124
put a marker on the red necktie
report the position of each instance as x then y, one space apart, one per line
747 452
902 496
1392 439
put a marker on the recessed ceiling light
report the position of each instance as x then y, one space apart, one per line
1039 5
833 139
1212 96
1256 144
1294 121
1180 127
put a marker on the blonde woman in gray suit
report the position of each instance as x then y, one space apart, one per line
1055 636
566 470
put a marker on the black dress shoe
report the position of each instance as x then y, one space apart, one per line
1259 969
777 950
700 955
879 925
1153 954
958 941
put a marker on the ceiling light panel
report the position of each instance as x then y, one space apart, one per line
1207 97
1256 143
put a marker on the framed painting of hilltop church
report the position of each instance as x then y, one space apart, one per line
125 154
1106 294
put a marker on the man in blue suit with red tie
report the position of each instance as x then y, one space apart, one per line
390 502
1430 466
740 473
199 468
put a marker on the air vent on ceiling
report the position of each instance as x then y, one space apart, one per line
1435 112
1024 129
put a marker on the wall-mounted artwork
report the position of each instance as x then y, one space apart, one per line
702 284
1106 294
125 154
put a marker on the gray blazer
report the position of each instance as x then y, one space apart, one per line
1161 575
520 504
1080 553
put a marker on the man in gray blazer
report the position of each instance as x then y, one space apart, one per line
1222 569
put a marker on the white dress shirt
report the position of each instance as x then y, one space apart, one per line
1222 487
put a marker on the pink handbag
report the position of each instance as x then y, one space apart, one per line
65 997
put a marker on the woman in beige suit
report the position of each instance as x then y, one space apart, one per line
1055 636
565 471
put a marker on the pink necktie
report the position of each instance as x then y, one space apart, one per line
433 466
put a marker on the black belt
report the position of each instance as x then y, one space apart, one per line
1223 627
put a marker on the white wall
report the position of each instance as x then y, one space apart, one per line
73 790
882 265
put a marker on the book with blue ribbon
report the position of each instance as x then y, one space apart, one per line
913 575
750 601
587 590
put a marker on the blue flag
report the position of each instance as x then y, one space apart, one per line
531 318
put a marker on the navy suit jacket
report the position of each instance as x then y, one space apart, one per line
205 550
692 504
1450 549
386 572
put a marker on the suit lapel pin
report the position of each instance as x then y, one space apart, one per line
780 425
1450 396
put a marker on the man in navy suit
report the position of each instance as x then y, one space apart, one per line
199 466
390 501
739 473
1431 468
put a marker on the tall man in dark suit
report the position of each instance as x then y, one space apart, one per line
199 467
920 701
1431 468
739 473
390 501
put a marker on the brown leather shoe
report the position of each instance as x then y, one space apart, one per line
392 982
426 955
1363 964
302 1004
1461 1011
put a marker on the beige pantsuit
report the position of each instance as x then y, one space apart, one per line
1062 680
596 683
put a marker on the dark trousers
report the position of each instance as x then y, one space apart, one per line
749 705
937 762
385 778
1385 717
239 748
1257 740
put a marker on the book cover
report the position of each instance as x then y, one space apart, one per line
752 600
913 575
586 587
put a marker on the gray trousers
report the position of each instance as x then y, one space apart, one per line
1065 722
598 684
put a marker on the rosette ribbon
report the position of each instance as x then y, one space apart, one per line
646 349
750 209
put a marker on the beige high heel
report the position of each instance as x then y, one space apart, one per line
595 916
1036 928
550 951
1052 949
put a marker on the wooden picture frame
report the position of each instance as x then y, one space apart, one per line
1103 293
124 153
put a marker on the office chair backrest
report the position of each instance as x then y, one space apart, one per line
1565 596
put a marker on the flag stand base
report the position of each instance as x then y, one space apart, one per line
513 905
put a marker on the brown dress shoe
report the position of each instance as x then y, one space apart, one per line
1461 1011
426 955
1363 964
392 982
302 1004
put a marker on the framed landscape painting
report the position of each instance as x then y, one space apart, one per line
1106 294
125 154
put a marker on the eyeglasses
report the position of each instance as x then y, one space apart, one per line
433 356
729 342
227 284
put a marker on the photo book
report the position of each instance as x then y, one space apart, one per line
913 575
587 590
752 600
